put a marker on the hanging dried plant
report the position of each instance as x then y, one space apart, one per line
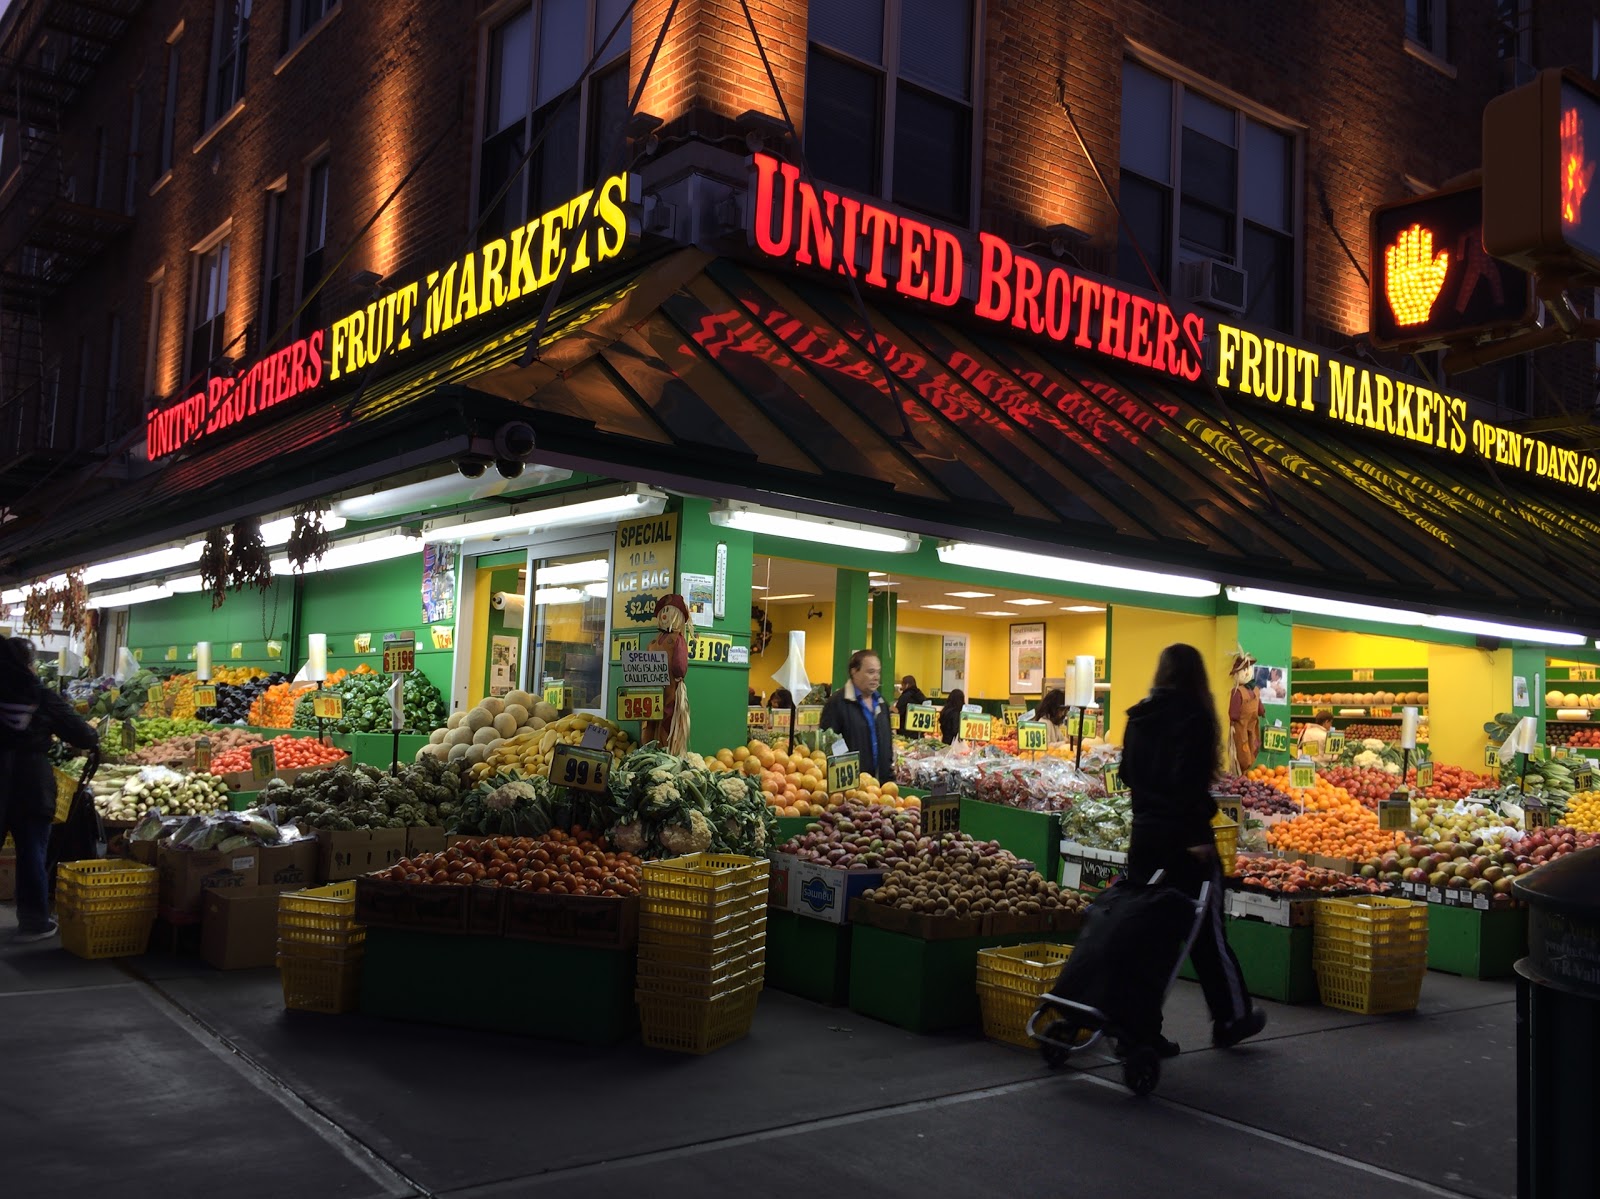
214 566
248 564
72 598
308 541
38 604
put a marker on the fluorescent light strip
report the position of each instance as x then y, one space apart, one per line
1318 606
996 613
945 607
797 595
360 552
1070 570
553 515
135 595
1026 603
813 528
596 571
970 594
1085 608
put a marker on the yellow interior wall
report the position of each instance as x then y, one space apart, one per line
1466 686
480 643
1346 651
1138 635
787 618
921 656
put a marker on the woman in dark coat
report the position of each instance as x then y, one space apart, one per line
910 694
30 714
950 715
1170 755
858 714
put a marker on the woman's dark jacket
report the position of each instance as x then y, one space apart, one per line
1166 763
32 717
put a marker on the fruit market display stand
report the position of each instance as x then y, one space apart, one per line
1032 836
1275 958
1374 694
1476 944
809 957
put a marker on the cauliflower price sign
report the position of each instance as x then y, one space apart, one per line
641 705
579 769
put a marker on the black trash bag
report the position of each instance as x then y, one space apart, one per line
81 835
1132 941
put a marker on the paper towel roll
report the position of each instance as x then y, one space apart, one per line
202 661
1408 728
509 602
1069 687
316 657
1083 678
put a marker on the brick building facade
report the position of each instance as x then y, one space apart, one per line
329 145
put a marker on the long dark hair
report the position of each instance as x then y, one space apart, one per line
1053 707
1182 671
954 702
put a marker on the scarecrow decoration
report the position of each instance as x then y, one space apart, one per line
672 730
1244 715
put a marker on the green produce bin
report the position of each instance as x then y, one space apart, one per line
559 992
809 958
1035 836
1276 960
792 826
1476 944
921 986
239 801
377 749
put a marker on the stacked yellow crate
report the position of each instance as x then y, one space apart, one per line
320 946
702 949
106 908
1010 980
1370 953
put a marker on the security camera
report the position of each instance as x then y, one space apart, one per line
509 468
515 441
472 467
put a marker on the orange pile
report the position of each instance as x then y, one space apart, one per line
1322 796
796 784
274 707
1348 831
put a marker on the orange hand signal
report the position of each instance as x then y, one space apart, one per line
1413 275
1576 173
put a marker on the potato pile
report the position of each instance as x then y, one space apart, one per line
515 733
955 875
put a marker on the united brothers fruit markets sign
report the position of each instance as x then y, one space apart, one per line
983 278
498 273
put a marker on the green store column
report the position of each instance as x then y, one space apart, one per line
851 601
885 628
718 692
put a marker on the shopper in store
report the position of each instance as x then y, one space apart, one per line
1170 756
858 714
30 715
910 694
1314 737
1052 711
950 716
781 700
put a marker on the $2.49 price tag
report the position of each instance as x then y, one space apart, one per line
923 720
844 772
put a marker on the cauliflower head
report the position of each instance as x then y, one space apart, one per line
694 836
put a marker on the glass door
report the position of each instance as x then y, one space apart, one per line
568 626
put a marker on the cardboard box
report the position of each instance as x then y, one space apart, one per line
1282 910
144 852
1090 870
186 874
780 881
239 929
345 855
824 892
424 839
291 867
8 876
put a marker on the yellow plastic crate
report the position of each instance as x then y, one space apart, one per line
1361 916
321 918
695 954
724 925
105 886
696 1025
106 934
690 982
320 985
697 902
1369 992
66 788
1033 965
699 872
1225 833
725 909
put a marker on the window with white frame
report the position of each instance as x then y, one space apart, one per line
303 16
1202 180
535 57
313 244
1426 26
889 100
230 42
208 309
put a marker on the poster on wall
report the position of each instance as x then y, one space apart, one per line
1272 684
502 664
953 659
438 584
646 567
1027 658
700 591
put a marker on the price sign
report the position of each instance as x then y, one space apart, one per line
1583 779
1032 736
205 696
844 771
974 728
621 643
1558 751
555 693
941 814
1275 740
156 694
1231 808
645 668
1012 714
714 648
202 754
1534 813
1113 780
1381 711
1581 674
1491 758
1394 814
808 716
1424 776
263 762
129 737
1361 675
580 769
236 650
327 706
1302 774
756 717
399 653
922 719
640 705
1334 744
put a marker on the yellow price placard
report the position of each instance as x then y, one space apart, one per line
1302 775
1275 740
1491 758
202 754
1113 779
327 707
844 772
1361 675
555 693
974 728
399 655
1334 745
205 696
923 720
715 648
622 642
263 762
756 717
236 650
1012 714
1032 736
808 716
578 768
156 694
1581 674
641 705
1424 776
941 814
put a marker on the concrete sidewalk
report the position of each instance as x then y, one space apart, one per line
162 1076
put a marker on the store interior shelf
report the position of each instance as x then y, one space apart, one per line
1405 674
1365 713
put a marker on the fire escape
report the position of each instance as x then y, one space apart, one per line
50 51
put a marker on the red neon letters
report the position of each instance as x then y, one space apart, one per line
292 371
815 227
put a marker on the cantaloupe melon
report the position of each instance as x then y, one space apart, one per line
460 736
493 705
476 754
545 712
521 698
505 724
455 720
457 752
477 719
485 735
518 713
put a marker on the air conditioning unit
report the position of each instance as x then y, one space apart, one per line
1215 284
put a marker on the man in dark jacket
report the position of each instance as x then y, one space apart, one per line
30 714
858 714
